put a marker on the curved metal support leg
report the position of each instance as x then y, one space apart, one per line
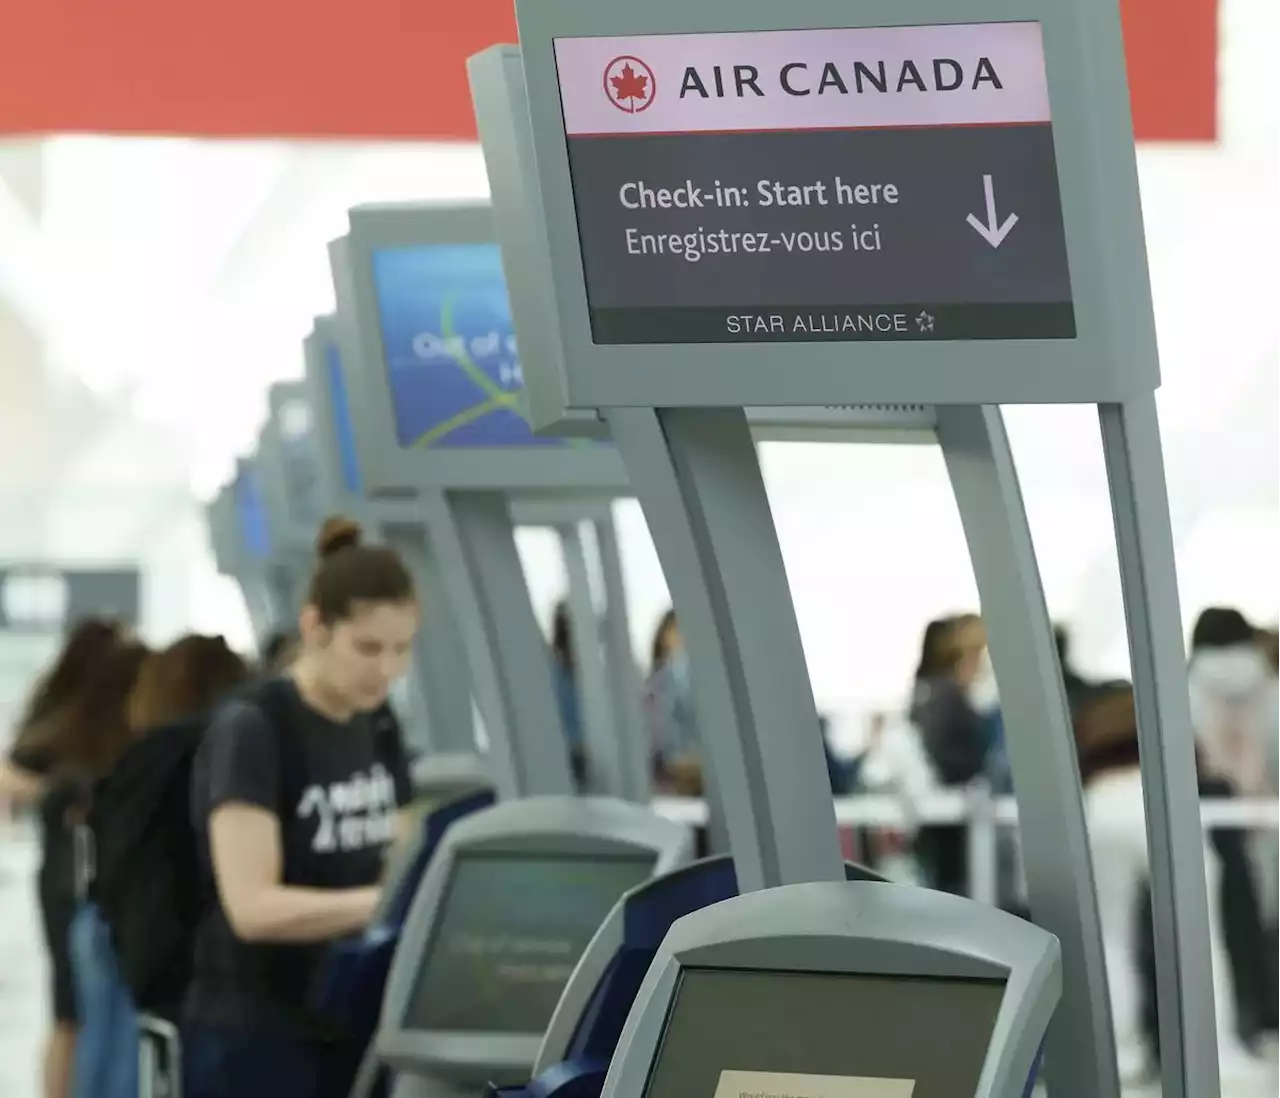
1080 1058
1170 794
698 479
475 543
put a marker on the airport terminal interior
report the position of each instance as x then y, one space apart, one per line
760 497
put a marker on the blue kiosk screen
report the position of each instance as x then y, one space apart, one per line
450 346
251 510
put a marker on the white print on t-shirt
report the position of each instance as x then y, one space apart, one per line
352 814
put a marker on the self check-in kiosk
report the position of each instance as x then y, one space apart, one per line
750 206
841 991
241 541
584 1031
510 902
436 394
288 464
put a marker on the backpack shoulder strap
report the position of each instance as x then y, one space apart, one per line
276 699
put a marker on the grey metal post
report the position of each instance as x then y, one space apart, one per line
475 543
625 687
590 675
698 479
442 677
1080 1058
1179 902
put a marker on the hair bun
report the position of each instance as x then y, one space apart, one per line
336 534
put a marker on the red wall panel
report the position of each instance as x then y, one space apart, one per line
1172 51
391 68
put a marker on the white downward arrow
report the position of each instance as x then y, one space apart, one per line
992 232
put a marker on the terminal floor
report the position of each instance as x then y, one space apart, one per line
23 991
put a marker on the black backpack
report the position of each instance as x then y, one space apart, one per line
148 882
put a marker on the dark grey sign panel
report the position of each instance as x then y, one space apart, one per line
952 232
39 599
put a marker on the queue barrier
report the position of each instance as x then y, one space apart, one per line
983 813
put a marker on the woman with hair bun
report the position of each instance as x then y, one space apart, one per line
297 791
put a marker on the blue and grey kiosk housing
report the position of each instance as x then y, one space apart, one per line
841 990
584 1031
509 903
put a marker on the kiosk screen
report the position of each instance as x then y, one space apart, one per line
509 932
251 510
741 1033
881 183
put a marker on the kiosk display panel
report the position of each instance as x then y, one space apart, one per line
293 429
693 231
508 904
344 434
224 531
732 1032
251 512
326 389
952 192
841 990
431 361
451 356
511 930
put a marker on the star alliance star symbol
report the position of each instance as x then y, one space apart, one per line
924 322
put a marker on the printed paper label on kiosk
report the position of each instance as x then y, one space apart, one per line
450 346
887 183
776 1084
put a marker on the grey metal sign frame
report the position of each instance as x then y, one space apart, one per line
292 540
315 349
1112 357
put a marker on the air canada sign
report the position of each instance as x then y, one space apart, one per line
871 184
859 77
631 84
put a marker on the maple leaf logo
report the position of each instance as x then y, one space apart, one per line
629 84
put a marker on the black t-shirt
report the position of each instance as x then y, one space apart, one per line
336 789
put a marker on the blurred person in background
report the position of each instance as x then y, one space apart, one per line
45 752
564 669
933 652
670 713
955 734
1107 744
894 763
98 715
1076 685
1231 700
180 683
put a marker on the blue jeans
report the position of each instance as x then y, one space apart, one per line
106 1064
220 1063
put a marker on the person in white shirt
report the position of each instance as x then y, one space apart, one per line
1107 741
